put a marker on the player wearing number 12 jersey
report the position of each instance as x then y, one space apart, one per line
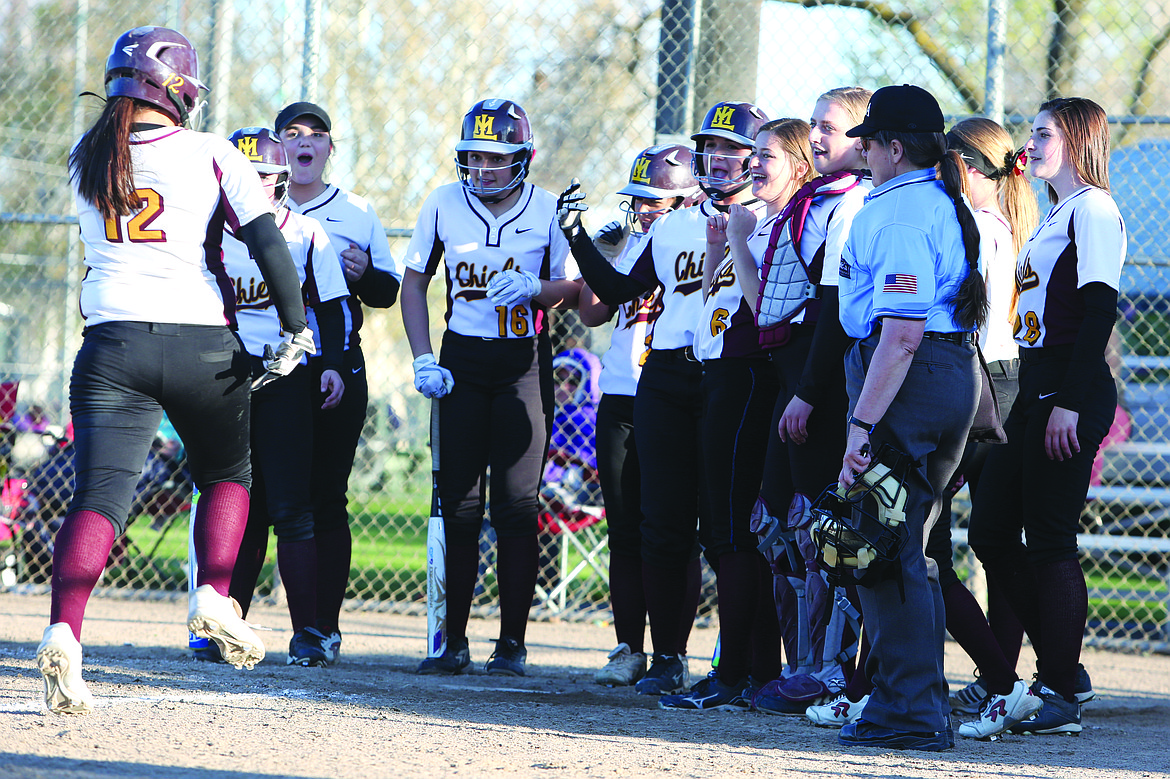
496 241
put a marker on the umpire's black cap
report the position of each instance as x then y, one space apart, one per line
291 112
900 109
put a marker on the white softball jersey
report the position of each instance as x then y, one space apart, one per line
1081 240
348 218
727 327
621 365
456 229
317 267
997 255
672 257
164 263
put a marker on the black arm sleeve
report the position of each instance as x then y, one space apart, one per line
270 251
612 288
824 365
1100 301
331 323
376 288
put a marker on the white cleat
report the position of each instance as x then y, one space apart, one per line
59 658
1000 712
837 713
219 618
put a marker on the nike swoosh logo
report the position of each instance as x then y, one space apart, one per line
355 370
331 219
1050 394
526 229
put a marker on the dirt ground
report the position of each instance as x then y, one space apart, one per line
162 715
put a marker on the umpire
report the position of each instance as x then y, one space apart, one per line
912 296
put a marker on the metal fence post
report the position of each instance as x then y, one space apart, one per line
997 12
676 71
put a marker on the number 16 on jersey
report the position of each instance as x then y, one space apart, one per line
436 553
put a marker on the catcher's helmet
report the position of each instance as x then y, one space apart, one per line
864 527
158 66
267 155
495 127
737 122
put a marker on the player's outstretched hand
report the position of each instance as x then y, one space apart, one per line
569 207
612 233
430 378
509 287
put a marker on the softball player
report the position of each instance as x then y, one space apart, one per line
373 277
282 411
668 405
739 389
1005 210
1067 276
152 200
660 181
912 295
503 261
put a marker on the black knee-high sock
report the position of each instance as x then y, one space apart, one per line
462 573
1064 603
737 582
966 624
663 585
1016 579
690 606
628 601
517 563
1009 633
334 551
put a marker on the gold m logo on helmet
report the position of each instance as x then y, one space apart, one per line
641 170
722 118
483 128
247 145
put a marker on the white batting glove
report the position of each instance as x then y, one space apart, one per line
509 287
430 378
286 357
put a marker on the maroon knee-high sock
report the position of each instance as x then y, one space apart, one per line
766 663
1064 603
1016 580
80 552
737 583
628 601
298 573
517 563
966 624
334 552
219 525
249 562
462 572
1009 633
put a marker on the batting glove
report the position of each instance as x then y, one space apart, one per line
430 378
509 287
286 357
612 233
569 207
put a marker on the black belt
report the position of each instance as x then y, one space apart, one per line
954 338
682 354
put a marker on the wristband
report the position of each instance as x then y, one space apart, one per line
866 426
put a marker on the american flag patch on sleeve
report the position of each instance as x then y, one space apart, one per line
901 282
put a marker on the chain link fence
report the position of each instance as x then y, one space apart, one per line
600 80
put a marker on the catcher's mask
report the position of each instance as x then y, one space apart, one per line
859 532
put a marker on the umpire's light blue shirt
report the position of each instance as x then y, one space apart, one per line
904 256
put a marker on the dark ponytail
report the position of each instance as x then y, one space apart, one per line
926 150
970 300
100 163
